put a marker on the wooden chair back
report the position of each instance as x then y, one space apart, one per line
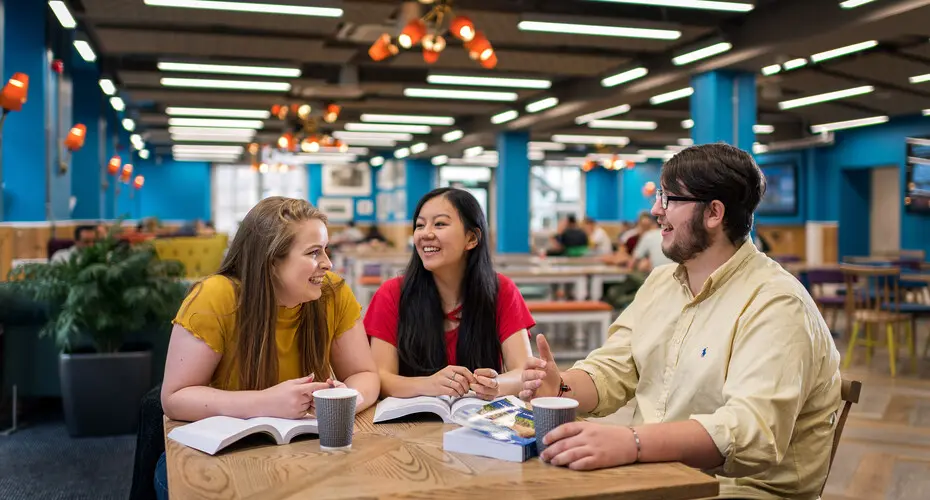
849 393
872 288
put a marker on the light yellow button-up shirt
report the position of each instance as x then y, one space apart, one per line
750 358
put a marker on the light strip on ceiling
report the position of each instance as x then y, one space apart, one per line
259 114
86 51
671 96
687 124
686 141
662 154
473 152
829 96
206 148
388 127
144 154
377 143
475 95
604 113
691 4
129 124
439 160
417 120
842 51
226 132
216 123
926 112
591 139
542 104
419 148
795 64
861 122
852 4
117 103
206 158
763 129
375 136
230 69
702 53
402 153
209 138
62 13
226 84
452 136
106 85
260 8
377 161
546 146
624 124
489 81
919 78
624 77
599 30
505 117
771 69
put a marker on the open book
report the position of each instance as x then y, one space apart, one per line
211 435
443 406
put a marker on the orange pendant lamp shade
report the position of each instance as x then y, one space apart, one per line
479 48
413 32
127 170
138 181
382 48
332 113
430 56
114 165
75 139
462 28
490 62
14 92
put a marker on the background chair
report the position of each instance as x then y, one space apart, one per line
849 393
818 280
150 444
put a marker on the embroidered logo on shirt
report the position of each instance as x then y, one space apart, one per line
704 352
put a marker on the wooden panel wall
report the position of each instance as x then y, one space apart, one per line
785 240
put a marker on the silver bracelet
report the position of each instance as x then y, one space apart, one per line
639 446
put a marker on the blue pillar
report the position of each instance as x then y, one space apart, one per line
88 163
420 179
25 152
315 183
513 193
723 108
602 194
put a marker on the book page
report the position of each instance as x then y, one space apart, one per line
391 408
466 402
288 428
211 434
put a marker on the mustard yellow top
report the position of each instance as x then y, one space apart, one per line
209 313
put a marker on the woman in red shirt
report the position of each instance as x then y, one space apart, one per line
451 324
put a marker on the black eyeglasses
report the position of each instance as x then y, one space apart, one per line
664 198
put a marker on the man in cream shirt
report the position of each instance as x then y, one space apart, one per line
732 366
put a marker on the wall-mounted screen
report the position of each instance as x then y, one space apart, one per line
781 193
917 187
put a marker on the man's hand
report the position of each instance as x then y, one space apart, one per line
541 376
588 446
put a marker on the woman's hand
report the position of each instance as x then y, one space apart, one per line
291 398
450 381
486 385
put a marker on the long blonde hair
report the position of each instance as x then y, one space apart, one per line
264 237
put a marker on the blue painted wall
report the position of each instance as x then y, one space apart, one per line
87 163
172 191
632 181
602 195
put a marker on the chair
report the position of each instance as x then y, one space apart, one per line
816 280
150 444
873 297
849 393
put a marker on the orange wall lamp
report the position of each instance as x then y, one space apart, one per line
12 98
428 31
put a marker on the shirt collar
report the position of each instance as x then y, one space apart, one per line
722 274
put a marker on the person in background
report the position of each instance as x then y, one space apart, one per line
733 367
84 236
349 236
272 326
450 324
572 241
374 234
598 237
648 253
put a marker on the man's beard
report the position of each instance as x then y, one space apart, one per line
696 240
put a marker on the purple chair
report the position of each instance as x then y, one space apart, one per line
56 244
816 279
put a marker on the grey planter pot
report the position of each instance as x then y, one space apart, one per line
101 393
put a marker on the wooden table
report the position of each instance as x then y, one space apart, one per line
406 460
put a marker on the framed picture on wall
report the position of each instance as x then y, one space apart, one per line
364 207
386 175
337 209
384 208
346 180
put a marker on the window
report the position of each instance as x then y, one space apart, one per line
554 193
238 188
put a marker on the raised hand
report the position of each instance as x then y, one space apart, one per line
450 381
291 398
541 377
486 385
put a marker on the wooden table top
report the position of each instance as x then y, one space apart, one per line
406 460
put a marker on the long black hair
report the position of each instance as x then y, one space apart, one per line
421 338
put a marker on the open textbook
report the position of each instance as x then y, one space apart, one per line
443 406
211 435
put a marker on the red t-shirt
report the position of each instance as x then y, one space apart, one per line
384 313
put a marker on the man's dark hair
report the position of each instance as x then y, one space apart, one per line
719 172
571 219
80 229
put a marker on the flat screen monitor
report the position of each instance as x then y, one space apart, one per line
917 187
781 192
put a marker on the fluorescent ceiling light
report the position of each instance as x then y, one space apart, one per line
207 149
795 64
591 139
671 96
453 136
129 124
230 69
209 122
759 149
388 127
261 8
771 69
489 81
402 153
439 160
205 158
536 155
624 124
420 120
763 129
62 13
537 106
382 136
383 143
144 154
926 112
209 138
604 113
692 4
546 146
861 122
829 96
686 141
919 78
476 95
86 51
702 53
852 4
687 124
599 30
218 113
226 84
106 85
377 161
504 117
624 77
419 148
473 152
226 132
842 51
117 103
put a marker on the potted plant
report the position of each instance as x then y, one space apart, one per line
97 299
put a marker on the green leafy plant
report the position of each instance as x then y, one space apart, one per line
103 293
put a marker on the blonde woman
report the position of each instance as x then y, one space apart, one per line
269 328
